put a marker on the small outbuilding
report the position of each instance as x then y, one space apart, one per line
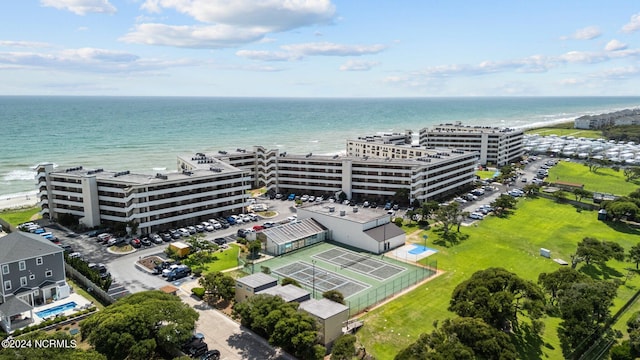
330 317
288 293
602 214
250 285
180 248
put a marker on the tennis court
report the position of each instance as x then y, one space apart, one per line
320 279
362 278
363 264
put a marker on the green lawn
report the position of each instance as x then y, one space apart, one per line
227 259
17 217
512 243
485 174
605 180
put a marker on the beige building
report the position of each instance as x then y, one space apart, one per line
250 285
330 316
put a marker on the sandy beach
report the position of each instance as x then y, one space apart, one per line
18 201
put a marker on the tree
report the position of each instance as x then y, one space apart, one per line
591 250
553 283
461 338
497 296
634 254
429 208
401 196
502 203
531 189
218 286
584 309
139 325
633 329
281 323
288 280
559 195
595 164
620 208
69 351
581 193
344 347
449 216
334 295
631 173
254 248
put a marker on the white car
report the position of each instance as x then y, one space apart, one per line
237 218
304 198
312 198
476 216
184 232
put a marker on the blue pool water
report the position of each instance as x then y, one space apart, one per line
419 249
56 310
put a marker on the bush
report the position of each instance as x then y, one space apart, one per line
398 221
197 272
198 291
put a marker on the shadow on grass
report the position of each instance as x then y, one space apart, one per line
622 227
528 342
449 239
600 273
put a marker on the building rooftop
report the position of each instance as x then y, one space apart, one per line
384 232
346 212
323 308
288 293
297 229
458 127
256 280
20 245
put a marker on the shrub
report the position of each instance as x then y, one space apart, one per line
198 291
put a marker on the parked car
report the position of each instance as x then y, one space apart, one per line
185 232
166 236
269 224
476 216
241 233
211 355
304 198
145 241
178 273
156 238
231 220
192 230
312 198
291 197
67 248
136 243
258 227
252 216
220 241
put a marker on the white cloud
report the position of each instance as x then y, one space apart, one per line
633 24
358 65
571 82
615 45
332 49
588 33
226 23
275 15
267 55
86 60
81 7
582 57
23 44
619 73
199 36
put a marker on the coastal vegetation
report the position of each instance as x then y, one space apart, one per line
16 217
511 243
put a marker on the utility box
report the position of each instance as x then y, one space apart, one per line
545 252
602 215
180 248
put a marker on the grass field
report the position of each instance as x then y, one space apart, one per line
17 217
512 243
483 174
226 260
605 180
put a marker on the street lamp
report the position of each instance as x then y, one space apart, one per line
313 281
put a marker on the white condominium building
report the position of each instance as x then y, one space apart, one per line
434 174
198 191
497 146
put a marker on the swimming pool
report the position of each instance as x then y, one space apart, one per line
56 310
419 249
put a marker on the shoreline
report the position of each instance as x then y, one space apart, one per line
18 201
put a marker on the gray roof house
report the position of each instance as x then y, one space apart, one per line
31 274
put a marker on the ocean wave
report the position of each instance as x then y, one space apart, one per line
159 168
19 175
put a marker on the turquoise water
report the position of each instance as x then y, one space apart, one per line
419 249
144 134
56 310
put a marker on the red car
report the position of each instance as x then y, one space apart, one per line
258 227
136 243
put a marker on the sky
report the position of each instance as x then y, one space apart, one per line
320 48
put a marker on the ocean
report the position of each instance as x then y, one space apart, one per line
145 134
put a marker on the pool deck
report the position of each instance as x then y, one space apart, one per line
81 304
403 253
